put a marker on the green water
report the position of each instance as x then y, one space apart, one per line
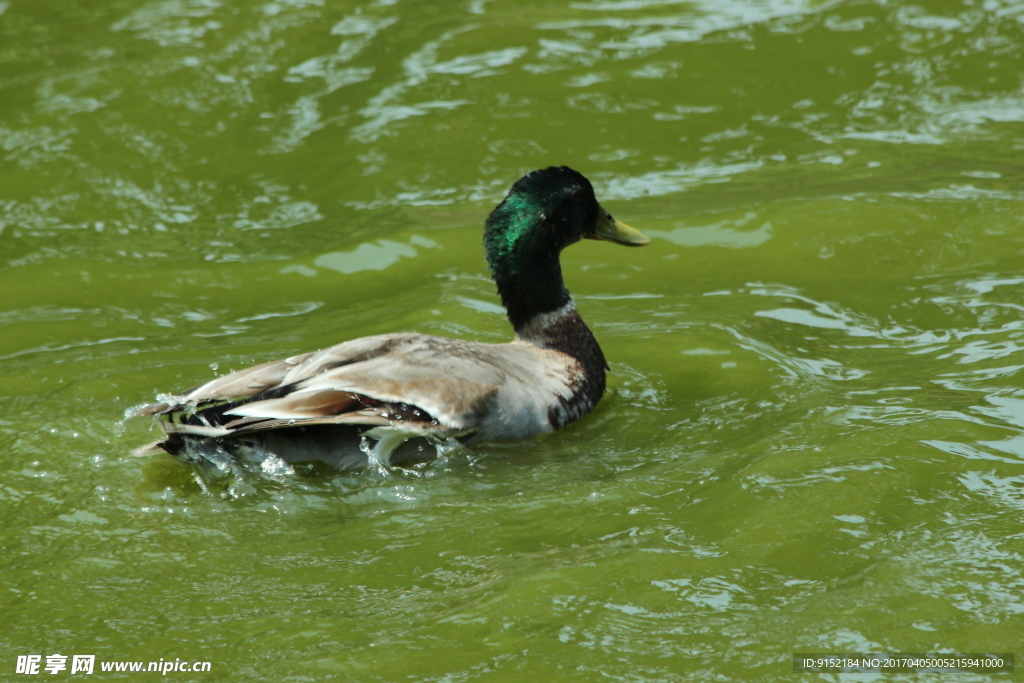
813 438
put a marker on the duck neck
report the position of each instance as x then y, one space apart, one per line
541 310
564 330
530 287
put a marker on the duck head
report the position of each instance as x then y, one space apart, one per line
544 212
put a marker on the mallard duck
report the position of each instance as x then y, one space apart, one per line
391 398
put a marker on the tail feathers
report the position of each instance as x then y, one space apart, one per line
173 444
338 428
150 449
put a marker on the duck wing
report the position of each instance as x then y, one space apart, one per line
402 378
424 383
233 387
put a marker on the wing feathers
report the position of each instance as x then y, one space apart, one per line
245 383
300 404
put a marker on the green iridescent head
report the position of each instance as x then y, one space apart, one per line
544 212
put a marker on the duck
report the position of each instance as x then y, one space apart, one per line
390 399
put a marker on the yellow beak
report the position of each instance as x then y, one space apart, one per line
611 230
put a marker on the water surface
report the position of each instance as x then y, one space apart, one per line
813 438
